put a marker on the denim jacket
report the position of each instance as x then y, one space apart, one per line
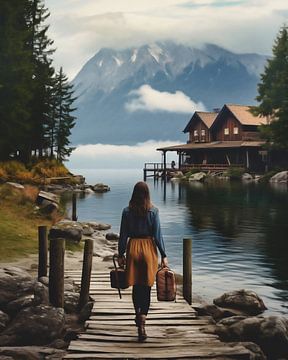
133 226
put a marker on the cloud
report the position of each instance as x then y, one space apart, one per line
148 99
107 156
82 28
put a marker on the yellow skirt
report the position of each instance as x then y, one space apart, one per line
141 262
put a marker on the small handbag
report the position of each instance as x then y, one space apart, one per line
166 284
118 277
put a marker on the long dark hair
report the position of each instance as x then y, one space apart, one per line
140 202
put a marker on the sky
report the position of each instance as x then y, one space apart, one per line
80 28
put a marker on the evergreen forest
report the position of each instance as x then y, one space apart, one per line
36 101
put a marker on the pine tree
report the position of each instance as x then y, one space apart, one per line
63 121
15 76
41 52
273 94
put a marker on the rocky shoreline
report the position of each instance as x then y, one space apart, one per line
232 174
30 328
25 310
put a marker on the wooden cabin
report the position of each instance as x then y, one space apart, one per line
221 139
199 127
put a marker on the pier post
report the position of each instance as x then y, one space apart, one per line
165 166
86 273
56 272
187 270
42 251
74 207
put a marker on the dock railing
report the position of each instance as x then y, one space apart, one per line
154 166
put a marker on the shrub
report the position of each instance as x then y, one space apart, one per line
12 167
50 168
3 174
235 173
24 177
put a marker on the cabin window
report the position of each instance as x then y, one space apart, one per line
226 131
235 130
203 132
195 132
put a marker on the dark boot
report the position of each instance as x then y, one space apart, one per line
137 317
142 336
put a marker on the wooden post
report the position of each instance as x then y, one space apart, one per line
42 251
86 273
187 270
180 160
56 272
74 207
165 165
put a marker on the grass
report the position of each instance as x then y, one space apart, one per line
18 230
19 223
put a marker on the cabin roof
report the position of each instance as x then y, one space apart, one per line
207 118
244 116
213 145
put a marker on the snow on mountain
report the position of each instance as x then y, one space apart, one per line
209 75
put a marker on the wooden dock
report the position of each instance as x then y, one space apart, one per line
173 328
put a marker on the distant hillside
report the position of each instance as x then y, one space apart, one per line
115 108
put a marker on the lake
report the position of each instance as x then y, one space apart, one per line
239 231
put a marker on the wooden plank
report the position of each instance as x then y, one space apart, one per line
85 345
90 356
129 310
131 338
143 350
164 322
166 332
174 330
117 317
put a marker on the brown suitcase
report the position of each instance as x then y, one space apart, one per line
166 285
118 277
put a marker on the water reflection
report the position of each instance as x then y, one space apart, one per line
239 230
251 225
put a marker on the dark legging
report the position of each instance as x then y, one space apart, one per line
141 298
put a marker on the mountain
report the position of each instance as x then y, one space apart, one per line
114 107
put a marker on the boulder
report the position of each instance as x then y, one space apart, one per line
255 351
101 188
48 207
37 325
280 177
14 284
86 311
71 301
22 302
89 191
79 179
15 185
44 195
270 333
112 236
69 230
87 230
4 319
198 176
212 310
30 353
244 300
99 226
247 177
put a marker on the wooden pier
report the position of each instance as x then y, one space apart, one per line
173 328
175 331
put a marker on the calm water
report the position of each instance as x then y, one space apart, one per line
239 231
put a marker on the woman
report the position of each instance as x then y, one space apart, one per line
140 223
